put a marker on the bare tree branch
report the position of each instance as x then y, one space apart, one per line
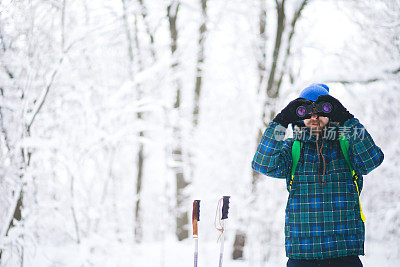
296 17
53 75
365 81
280 9
354 81
144 14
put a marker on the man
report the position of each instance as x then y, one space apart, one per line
324 223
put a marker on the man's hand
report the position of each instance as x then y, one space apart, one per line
289 114
339 113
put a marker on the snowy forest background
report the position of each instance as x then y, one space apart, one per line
116 114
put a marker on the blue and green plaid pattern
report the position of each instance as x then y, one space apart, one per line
320 222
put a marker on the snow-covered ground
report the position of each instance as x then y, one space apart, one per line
172 254
167 254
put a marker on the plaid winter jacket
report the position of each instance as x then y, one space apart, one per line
321 220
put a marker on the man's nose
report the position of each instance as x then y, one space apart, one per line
314 116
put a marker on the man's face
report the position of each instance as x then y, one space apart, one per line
316 123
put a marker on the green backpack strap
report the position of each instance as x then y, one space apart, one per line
296 147
344 145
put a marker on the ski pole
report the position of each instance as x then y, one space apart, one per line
221 228
195 219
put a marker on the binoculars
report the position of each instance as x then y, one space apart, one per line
321 108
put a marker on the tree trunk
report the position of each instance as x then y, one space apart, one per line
200 62
238 245
134 42
273 84
182 220
240 237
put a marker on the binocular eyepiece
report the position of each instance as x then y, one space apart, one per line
321 108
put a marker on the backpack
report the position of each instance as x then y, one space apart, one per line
344 145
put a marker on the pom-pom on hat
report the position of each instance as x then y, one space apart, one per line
314 90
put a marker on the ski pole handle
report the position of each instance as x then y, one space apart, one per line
225 207
195 216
